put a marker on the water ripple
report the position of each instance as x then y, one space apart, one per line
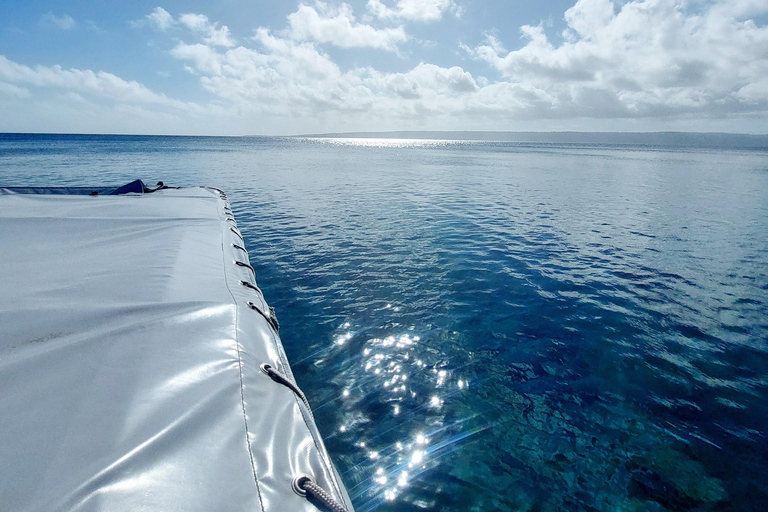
485 326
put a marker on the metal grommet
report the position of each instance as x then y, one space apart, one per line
265 368
298 482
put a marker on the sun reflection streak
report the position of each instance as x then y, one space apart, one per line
380 142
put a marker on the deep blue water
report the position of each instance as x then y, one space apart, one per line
497 326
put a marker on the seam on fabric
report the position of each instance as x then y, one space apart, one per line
240 367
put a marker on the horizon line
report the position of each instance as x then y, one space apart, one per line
384 134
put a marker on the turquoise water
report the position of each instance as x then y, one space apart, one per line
497 326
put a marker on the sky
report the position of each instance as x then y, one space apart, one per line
256 67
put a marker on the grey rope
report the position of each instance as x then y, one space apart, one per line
235 232
217 190
252 287
268 317
282 379
273 319
243 264
303 485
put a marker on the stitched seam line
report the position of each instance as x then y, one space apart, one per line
240 370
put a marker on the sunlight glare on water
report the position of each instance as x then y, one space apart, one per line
383 143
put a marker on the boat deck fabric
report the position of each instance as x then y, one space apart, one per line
130 362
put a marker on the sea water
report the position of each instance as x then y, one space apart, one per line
497 326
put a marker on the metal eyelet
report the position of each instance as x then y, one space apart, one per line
298 482
265 368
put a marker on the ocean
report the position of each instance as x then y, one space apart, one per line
497 325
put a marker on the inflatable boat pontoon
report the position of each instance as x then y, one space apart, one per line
140 366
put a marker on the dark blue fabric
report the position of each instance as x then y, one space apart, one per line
80 191
134 187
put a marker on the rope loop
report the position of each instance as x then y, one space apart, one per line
270 318
252 287
235 232
282 379
246 265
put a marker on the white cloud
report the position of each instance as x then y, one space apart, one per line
288 77
64 22
292 78
412 10
337 26
587 18
13 91
645 58
160 19
204 58
54 99
212 33
98 84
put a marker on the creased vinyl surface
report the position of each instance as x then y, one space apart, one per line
129 363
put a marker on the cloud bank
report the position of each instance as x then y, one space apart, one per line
660 60
60 99
645 58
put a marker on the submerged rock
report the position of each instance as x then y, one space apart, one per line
670 477
650 486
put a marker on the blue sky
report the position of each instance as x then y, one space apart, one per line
239 67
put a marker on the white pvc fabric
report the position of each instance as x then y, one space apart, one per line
130 362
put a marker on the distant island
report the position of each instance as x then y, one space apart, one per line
680 139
